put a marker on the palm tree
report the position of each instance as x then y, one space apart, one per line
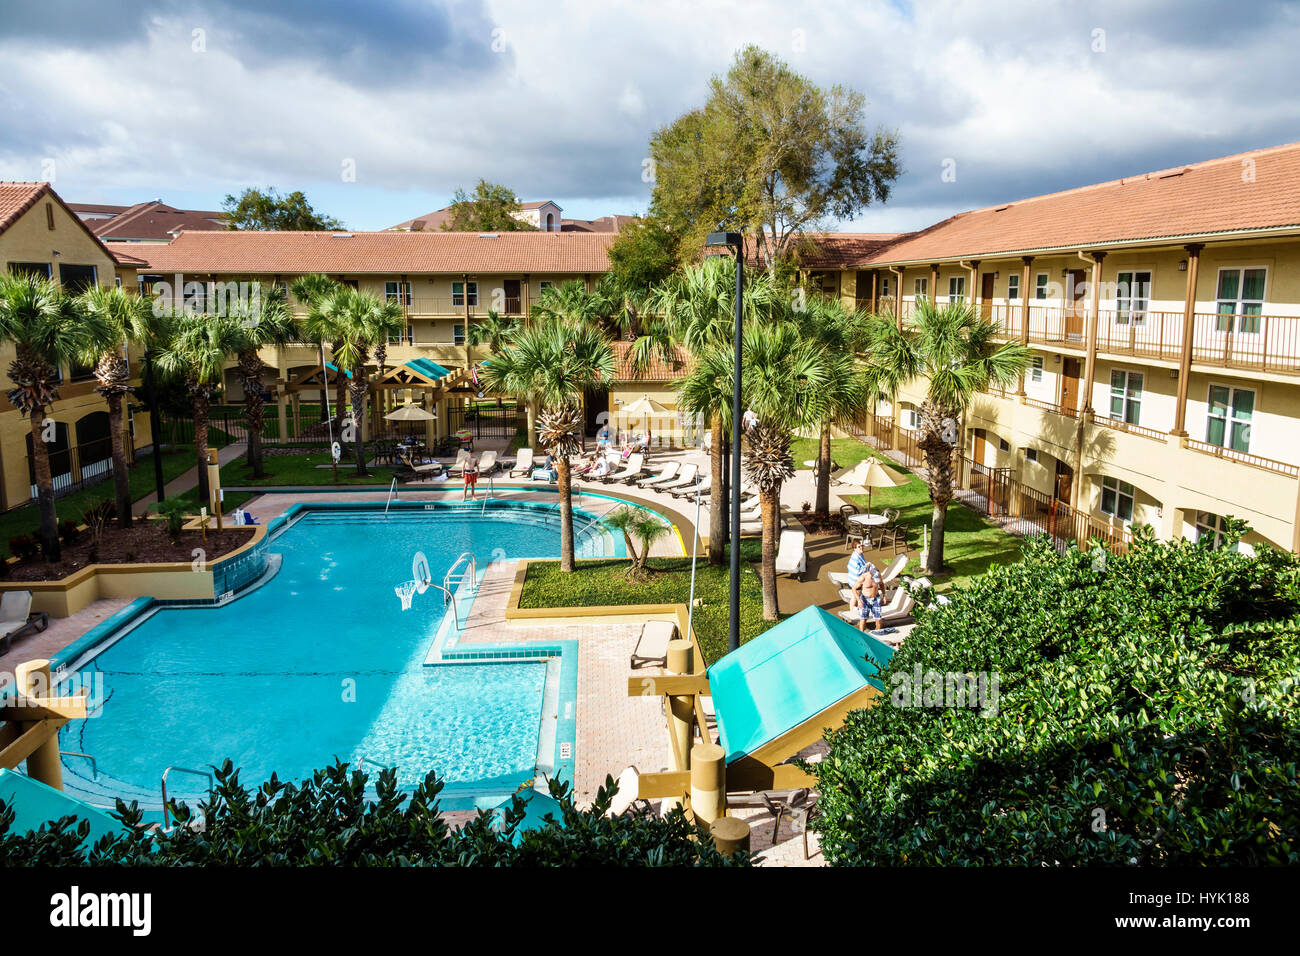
556 361
846 387
359 321
643 526
955 350
263 320
47 330
311 290
128 318
698 310
494 332
785 377
196 350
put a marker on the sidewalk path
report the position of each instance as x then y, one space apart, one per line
190 479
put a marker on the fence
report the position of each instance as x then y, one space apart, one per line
79 466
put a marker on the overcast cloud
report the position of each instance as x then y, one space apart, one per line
188 100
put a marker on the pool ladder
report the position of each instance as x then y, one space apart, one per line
392 494
469 574
198 773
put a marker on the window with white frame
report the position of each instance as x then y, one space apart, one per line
1229 416
1211 529
1132 297
545 284
1031 454
1036 369
909 417
459 290
1241 295
1125 396
1013 286
884 287
1117 499
398 292
921 288
1040 285
458 334
956 288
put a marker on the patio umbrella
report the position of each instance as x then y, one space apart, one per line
645 405
870 473
410 413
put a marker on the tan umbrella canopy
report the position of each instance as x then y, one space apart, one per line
410 413
645 405
870 473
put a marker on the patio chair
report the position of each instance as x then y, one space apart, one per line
701 487
413 471
665 475
847 509
462 459
791 558
652 645
685 476
798 805
16 617
895 536
634 468
487 463
523 463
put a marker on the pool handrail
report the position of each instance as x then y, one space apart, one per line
447 579
94 765
392 493
198 773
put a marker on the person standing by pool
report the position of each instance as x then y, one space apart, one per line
602 437
471 480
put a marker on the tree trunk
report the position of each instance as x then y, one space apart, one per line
770 502
340 400
934 564
254 413
121 479
717 507
564 481
531 407
44 489
359 416
201 445
823 505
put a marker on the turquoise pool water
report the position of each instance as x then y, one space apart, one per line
321 661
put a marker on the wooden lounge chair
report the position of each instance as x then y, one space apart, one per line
652 645
634 468
665 475
523 463
17 619
791 558
685 476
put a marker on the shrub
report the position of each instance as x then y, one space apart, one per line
24 547
173 510
327 820
1144 714
69 531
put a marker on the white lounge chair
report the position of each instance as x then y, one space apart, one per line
487 463
523 463
652 645
458 466
634 468
629 781
701 487
665 475
791 558
16 617
685 476
887 577
899 606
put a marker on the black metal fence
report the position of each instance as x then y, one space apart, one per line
79 466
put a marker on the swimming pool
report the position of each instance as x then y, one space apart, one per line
321 661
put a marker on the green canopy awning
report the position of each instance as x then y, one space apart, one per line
789 675
334 368
34 803
539 810
428 368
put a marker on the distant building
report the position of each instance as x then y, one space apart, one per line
152 221
545 215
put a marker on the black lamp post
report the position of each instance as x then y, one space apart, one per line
736 241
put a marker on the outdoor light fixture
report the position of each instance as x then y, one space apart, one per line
735 241
1182 265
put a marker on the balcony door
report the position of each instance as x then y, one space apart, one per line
986 295
1075 306
512 296
1071 384
1064 481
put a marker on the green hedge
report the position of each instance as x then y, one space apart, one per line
327 820
1144 714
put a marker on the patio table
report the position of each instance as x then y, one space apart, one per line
869 520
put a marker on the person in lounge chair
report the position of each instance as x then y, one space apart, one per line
600 469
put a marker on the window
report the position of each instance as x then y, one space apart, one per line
1125 396
909 417
1031 454
1241 294
1117 499
1211 529
884 287
49 216
458 334
1040 285
1132 296
398 292
921 288
956 288
1036 369
194 298
459 290
40 270
1228 417
545 284
1013 286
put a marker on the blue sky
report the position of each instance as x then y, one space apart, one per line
187 100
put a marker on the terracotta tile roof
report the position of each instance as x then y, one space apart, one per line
387 253
1248 191
841 250
603 224
17 198
148 221
657 371
432 221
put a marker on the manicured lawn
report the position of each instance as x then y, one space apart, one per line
25 519
971 544
302 470
603 582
